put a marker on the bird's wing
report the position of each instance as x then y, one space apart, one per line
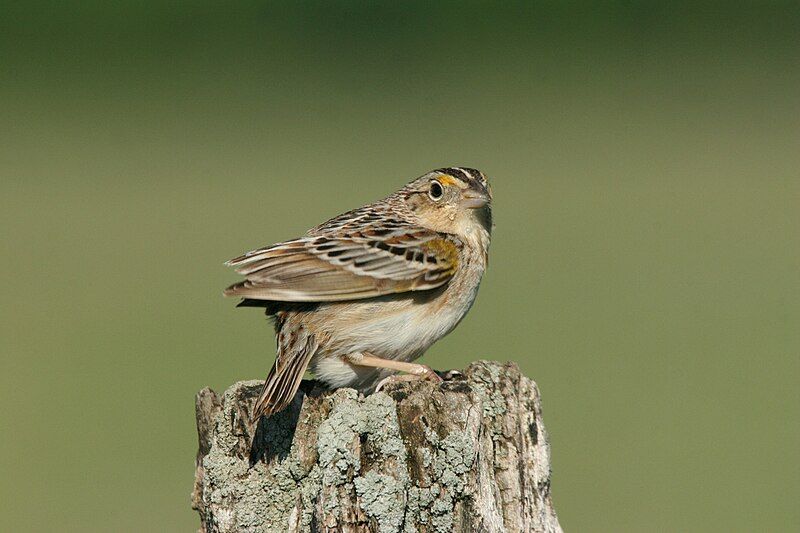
365 261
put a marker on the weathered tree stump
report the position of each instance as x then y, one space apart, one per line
469 454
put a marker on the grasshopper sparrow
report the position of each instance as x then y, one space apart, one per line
361 296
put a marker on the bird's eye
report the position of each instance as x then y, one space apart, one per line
436 191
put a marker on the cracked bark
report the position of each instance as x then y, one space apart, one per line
470 454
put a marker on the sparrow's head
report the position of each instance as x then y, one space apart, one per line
451 200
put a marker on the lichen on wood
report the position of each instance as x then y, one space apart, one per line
468 454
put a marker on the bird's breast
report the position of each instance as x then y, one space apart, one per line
402 326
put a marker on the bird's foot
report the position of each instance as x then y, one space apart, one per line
417 373
449 375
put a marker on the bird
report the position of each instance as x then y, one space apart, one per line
360 297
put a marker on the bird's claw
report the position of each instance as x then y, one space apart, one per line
449 375
423 372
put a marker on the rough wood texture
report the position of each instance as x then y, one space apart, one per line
470 454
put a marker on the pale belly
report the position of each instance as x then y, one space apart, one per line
399 327
390 328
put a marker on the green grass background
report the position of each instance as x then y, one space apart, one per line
644 270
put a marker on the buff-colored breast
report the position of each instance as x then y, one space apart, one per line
399 327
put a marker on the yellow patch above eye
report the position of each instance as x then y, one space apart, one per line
444 179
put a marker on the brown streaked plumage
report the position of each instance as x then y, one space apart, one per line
362 295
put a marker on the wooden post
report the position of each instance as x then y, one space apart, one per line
469 454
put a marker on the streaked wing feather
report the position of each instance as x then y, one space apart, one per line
364 262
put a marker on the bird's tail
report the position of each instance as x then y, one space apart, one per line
295 350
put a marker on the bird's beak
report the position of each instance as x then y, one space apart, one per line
474 199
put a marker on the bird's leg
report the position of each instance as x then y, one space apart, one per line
413 370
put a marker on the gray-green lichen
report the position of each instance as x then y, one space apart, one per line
335 438
346 461
450 459
371 422
383 498
485 380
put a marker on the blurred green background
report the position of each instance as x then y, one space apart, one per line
645 266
